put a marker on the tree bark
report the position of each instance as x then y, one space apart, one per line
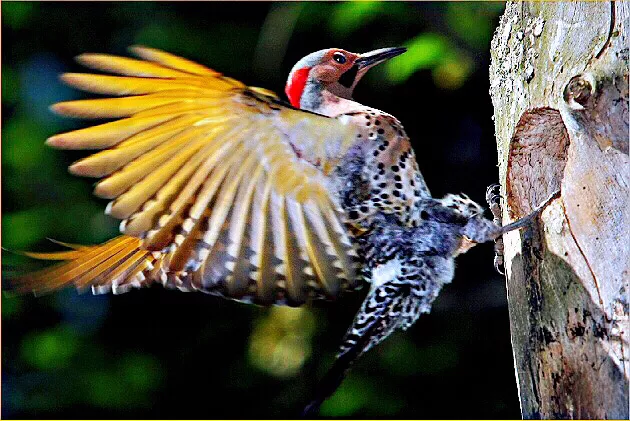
559 85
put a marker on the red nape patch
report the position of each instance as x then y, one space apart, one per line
295 87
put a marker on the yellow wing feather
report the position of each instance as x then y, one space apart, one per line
172 61
221 187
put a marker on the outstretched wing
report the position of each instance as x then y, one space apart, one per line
228 183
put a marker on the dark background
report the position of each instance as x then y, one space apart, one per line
162 354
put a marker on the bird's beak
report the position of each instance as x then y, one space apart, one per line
367 60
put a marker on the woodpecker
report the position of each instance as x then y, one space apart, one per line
229 190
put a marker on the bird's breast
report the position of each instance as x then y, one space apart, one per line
389 180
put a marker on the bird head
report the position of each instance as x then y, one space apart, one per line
333 71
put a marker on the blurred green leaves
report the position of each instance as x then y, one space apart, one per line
431 359
473 22
281 341
353 394
10 85
51 349
450 66
121 380
81 222
362 393
349 16
17 14
19 228
11 306
127 382
25 151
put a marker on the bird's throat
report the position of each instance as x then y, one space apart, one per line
319 99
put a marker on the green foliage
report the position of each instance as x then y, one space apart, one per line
10 85
50 350
353 394
450 66
11 306
128 382
280 343
359 393
17 14
24 152
349 16
19 227
423 52
473 22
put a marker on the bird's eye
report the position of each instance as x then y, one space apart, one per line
339 58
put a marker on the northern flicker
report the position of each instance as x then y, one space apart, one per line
229 190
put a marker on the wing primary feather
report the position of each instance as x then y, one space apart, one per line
292 268
214 152
68 245
56 255
127 66
212 183
139 192
171 101
344 249
172 61
129 85
301 246
137 274
145 217
205 108
168 155
105 135
85 266
106 162
216 270
262 241
180 188
316 247
225 199
332 250
112 107
238 234
211 192
118 273
62 274
105 267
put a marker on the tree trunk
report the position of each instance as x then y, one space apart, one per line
559 85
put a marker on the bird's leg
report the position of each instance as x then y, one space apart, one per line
528 219
493 198
480 230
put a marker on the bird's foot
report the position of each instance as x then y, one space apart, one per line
493 198
523 222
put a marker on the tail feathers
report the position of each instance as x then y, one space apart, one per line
115 266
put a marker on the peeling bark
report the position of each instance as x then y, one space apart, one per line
559 85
